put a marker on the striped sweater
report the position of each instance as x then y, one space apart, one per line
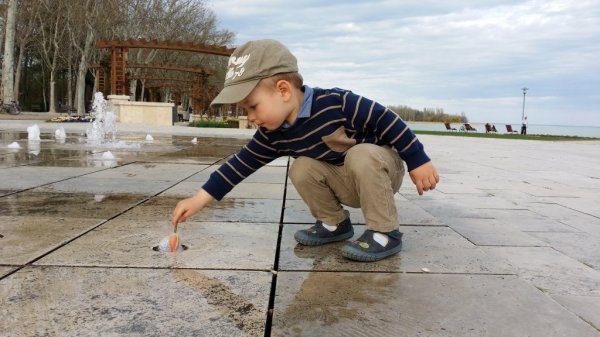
338 120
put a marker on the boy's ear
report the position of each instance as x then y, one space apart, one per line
285 89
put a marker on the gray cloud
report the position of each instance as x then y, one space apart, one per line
464 56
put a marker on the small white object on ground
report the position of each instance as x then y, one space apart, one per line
149 138
14 145
195 140
425 270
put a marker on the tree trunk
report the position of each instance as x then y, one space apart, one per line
69 82
18 71
81 72
8 64
142 97
52 107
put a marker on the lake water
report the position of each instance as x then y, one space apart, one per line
557 130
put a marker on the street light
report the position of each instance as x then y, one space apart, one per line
524 93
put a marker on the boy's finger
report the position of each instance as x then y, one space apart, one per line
419 187
432 182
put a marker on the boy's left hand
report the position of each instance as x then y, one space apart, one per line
425 177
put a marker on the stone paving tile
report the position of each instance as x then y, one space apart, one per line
243 190
7 192
588 204
586 307
384 304
129 243
108 186
35 203
459 188
26 238
439 249
296 211
580 246
492 232
226 210
5 270
24 177
149 171
62 301
528 221
266 174
575 180
578 220
463 207
550 270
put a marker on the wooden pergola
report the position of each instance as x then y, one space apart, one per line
119 66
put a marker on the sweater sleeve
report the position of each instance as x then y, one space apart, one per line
389 128
250 158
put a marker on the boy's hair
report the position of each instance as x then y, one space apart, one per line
293 77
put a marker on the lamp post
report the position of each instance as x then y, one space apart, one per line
524 93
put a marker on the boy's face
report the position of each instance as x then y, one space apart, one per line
267 106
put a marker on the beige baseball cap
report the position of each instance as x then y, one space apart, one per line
250 63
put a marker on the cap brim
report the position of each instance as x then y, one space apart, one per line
235 93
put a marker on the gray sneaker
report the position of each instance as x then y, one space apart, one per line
318 235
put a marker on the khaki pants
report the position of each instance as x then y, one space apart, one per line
369 178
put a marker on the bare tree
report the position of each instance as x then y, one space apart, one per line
86 20
183 20
8 64
25 28
50 19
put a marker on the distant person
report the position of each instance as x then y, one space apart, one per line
348 149
524 126
180 111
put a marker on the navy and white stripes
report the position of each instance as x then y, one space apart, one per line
338 120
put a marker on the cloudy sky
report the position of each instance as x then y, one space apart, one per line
462 56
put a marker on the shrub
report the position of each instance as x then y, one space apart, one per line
233 123
202 123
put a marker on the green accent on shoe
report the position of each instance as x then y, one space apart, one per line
366 249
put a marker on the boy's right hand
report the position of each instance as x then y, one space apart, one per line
190 206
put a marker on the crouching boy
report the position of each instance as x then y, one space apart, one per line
348 150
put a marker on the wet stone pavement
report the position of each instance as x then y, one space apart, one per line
507 245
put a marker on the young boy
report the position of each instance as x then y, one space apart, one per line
348 150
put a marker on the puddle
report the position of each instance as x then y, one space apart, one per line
209 147
82 205
74 151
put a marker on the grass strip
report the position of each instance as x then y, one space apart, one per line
503 135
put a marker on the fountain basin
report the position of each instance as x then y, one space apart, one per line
148 113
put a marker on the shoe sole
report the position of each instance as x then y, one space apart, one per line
310 241
355 254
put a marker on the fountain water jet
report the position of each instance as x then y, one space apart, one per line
60 134
103 124
33 133
102 131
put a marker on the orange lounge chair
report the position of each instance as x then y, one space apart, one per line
509 129
490 128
